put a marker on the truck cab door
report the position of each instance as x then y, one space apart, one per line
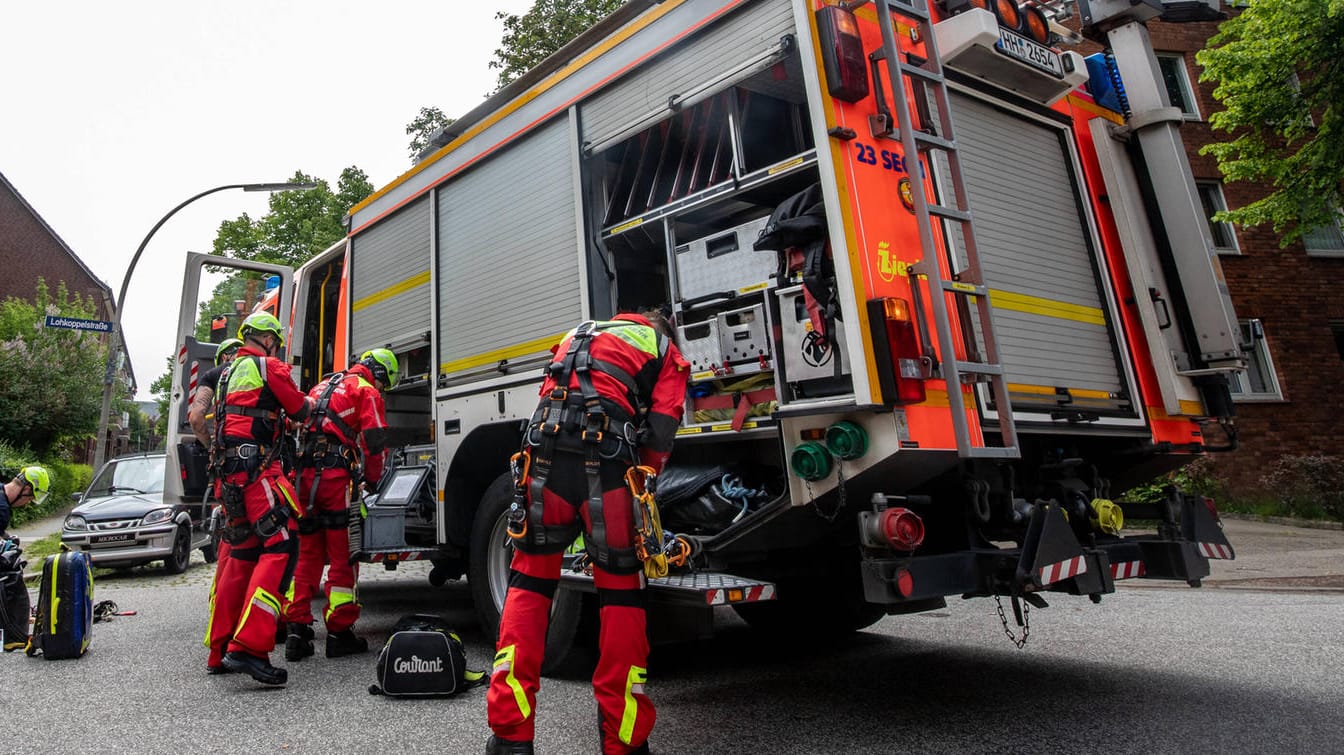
185 473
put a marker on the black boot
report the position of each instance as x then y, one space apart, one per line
299 642
501 746
255 667
345 642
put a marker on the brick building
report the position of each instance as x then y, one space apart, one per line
31 249
1286 403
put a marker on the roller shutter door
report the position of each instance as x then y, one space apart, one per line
1036 249
389 280
738 38
509 254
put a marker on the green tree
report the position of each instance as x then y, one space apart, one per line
162 391
297 226
548 26
1279 68
52 391
429 120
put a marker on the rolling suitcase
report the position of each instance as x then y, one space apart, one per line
64 623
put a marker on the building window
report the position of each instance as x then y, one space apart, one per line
1337 330
1179 91
1211 198
1326 240
1258 382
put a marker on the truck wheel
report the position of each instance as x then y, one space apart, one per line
811 606
177 561
488 575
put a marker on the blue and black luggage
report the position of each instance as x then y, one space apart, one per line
64 622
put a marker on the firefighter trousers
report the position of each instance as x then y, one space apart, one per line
626 713
253 576
328 545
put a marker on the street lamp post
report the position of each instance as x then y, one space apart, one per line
110 375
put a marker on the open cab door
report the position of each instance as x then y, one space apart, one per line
199 331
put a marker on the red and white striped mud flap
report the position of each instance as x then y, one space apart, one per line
1128 570
1066 569
1215 550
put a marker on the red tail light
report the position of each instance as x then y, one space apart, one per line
183 467
842 53
902 529
897 348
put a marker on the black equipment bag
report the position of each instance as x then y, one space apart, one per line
64 624
14 605
423 658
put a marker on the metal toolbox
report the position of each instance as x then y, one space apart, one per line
724 262
805 358
699 344
743 339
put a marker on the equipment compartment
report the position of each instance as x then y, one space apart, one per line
724 262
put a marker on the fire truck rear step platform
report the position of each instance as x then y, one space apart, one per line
701 588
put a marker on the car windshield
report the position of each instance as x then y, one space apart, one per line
139 475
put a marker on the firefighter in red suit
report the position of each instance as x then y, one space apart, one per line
347 431
260 506
613 395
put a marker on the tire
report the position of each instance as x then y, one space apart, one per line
177 561
828 603
488 575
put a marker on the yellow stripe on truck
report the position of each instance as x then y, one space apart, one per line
414 281
1046 307
499 355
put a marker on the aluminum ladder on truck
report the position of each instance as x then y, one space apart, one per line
969 283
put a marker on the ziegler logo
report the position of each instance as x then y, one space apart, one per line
415 665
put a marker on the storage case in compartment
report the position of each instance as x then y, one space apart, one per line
724 262
743 339
804 358
699 344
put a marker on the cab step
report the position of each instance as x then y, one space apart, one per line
700 588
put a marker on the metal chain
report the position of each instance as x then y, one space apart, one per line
1020 642
839 496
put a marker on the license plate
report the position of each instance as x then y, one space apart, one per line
1027 51
122 537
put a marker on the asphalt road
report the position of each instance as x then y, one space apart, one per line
1231 667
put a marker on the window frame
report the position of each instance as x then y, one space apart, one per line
1219 200
1257 356
1337 251
1184 83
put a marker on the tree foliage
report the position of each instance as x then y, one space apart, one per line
52 389
429 120
548 26
297 226
1279 68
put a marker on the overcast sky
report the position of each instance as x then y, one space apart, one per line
113 113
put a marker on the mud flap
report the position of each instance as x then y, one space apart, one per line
1200 525
1051 553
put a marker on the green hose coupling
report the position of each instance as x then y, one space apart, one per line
846 440
811 461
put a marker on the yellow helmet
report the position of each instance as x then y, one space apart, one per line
383 364
39 480
262 322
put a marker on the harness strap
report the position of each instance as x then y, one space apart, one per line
251 411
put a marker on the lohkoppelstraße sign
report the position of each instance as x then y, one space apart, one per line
75 323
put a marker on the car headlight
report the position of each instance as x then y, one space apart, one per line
75 522
156 516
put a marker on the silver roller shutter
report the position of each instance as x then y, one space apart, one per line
737 39
508 254
1051 323
389 280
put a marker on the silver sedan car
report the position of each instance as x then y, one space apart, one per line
122 521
